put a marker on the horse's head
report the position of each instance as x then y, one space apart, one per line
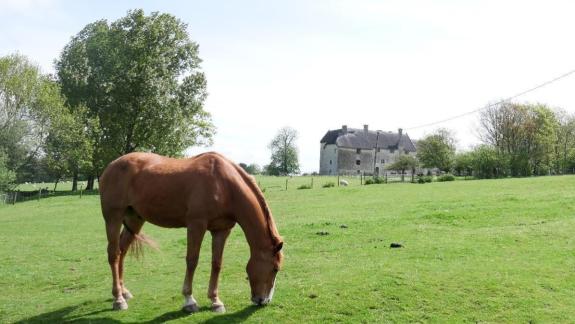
262 269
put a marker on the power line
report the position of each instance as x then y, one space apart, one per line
496 103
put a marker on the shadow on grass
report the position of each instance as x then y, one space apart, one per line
236 317
63 316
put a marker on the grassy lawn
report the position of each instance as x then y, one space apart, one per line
62 186
474 251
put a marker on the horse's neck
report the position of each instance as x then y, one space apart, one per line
256 230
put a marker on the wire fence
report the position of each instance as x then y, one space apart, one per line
17 196
279 183
266 183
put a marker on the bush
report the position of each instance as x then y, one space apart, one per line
374 180
305 186
328 185
424 179
446 177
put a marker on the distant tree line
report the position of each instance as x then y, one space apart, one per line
131 85
518 140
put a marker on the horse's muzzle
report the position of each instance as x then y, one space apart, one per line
260 301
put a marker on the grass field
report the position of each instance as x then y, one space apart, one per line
474 251
62 186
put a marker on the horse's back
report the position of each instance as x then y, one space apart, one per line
164 190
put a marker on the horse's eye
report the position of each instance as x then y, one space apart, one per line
276 270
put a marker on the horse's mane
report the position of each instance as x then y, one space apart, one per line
249 180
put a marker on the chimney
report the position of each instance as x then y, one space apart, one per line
400 131
344 129
365 129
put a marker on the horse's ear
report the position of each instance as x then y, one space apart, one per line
278 247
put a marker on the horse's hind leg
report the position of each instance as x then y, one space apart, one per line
218 241
132 226
113 220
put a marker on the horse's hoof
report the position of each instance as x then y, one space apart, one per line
192 308
120 305
218 308
127 295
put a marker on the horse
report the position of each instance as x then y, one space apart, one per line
207 192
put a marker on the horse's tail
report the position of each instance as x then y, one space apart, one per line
251 183
140 240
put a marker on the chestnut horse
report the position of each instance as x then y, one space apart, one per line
205 192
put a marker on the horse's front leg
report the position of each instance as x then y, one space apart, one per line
218 242
196 233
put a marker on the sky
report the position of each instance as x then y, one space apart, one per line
318 65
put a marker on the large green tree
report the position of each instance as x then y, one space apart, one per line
68 148
284 159
139 77
26 104
437 150
526 134
7 176
403 163
487 162
565 141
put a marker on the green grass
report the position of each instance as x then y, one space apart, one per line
474 251
62 186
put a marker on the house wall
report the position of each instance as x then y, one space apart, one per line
328 159
347 158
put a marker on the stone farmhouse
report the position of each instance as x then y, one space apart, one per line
348 151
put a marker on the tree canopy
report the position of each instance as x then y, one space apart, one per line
437 150
140 79
527 134
284 159
27 101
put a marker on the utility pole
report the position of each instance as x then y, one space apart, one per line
375 152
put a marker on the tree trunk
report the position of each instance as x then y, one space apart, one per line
75 181
90 184
56 184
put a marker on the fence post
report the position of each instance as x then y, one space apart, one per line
312 182
286 183
385 177
81 187
338 179
39 194
15 197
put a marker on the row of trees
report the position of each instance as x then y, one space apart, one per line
518 140
131 85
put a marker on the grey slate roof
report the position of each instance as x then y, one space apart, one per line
356 138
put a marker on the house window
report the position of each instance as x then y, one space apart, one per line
358 151
382 161
378 150
357 162
329 162
391 150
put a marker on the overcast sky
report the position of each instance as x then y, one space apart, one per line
316 65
